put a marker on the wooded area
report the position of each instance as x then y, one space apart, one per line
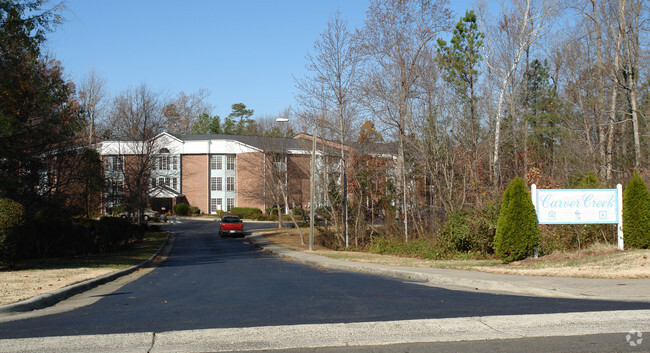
554 92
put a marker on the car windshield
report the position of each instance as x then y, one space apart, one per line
230 220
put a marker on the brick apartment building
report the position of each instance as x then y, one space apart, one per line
218 172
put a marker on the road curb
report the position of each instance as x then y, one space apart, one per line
51 298
459 283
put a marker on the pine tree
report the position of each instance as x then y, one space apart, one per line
517 232
636 213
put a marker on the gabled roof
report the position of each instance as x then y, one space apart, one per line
162 191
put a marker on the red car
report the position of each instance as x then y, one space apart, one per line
231 225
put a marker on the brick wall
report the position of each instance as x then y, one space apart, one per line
194 178
299 180
250 181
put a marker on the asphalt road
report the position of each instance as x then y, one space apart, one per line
210 282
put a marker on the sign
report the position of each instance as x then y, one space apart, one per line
579 206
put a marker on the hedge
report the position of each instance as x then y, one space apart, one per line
517 232
246 212
636 213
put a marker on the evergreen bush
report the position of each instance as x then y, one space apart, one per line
181 209
636 213
11 218
470 231
517 232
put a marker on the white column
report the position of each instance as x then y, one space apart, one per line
619 227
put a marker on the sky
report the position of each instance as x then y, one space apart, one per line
246 51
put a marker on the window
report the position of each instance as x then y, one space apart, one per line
153 182
118 186
280 166
213 204
230 203
174 183
215 162
167 180
219 183
219 204
113 163
230 163
163 162
161 181
175 162
230 184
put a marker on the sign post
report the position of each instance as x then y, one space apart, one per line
580 206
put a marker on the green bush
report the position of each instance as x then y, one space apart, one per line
194 211
636 213
181 209
420 247
112 233
517 233
246 212
11 219
470 231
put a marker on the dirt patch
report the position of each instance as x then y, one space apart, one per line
599 261
20 285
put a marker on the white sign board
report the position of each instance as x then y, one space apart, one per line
579 206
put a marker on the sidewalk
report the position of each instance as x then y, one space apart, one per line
637 290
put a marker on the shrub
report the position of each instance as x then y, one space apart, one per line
11 219
181 209
420 247
113 232
636 213
246 212
517 233
194 211
470 231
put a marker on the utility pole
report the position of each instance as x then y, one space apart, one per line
312 189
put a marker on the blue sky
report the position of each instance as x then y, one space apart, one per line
241 51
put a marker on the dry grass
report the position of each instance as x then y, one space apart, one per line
20 285
597 261
31 279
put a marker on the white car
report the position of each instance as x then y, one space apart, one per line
147 216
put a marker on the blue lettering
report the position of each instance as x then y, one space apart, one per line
588 201
548 203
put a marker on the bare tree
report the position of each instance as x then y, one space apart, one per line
520 27
182 111
631 16
333 74
92 97
395 37
138 118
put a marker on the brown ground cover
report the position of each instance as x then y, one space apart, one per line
598 261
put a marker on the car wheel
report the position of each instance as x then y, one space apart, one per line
123 216
146 217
